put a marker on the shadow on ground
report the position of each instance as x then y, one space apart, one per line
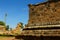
38 38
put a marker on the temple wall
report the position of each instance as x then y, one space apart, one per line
44 22
44 13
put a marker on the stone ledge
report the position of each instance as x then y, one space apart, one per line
53 32
43 26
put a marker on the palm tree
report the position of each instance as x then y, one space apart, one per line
5 18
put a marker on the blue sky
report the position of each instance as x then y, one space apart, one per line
17 11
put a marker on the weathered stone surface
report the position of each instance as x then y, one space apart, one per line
52 32
44 13
17 30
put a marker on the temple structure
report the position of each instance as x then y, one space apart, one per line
17 30
44 21
47 13
2 29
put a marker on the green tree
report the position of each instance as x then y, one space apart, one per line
7 27
2 23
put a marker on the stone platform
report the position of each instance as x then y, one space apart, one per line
40 33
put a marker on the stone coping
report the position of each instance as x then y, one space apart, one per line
42 26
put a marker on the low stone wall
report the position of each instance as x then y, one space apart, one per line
46 32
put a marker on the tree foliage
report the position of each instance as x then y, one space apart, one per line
2 23
7 27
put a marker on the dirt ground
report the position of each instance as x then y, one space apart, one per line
8 38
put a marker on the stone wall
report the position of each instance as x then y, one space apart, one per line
44 13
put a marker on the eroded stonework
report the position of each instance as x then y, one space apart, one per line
44 20
44 13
